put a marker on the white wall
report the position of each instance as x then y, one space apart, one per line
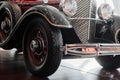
99 2
116 4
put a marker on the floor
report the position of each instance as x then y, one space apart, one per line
71 68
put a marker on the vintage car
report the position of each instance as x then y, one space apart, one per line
47 29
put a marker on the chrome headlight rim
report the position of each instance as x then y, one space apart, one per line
105 11
68 7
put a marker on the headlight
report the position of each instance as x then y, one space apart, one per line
45 1
69 7
105 11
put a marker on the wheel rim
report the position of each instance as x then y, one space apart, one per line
5 26
37 47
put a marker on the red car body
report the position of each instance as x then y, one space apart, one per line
25 4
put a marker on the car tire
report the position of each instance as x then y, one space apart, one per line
42 47
9 15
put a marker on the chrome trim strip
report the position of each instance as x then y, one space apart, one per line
86 19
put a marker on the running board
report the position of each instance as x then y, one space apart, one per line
99 49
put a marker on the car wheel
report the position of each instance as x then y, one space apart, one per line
9 15
42 47
108 62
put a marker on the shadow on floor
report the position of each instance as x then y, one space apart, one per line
13 68
109 75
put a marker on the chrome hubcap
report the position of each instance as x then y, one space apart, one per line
37 46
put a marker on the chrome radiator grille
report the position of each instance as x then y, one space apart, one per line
81 25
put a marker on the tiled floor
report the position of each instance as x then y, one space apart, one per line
13 68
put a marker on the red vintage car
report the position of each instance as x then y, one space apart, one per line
46 29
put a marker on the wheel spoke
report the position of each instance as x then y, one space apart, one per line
37 47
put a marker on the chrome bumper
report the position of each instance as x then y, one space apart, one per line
100 49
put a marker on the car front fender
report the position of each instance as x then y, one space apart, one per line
55 17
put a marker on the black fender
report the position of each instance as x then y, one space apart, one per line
116 28
54 17
111 32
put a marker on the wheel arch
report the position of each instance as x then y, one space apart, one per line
53 16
